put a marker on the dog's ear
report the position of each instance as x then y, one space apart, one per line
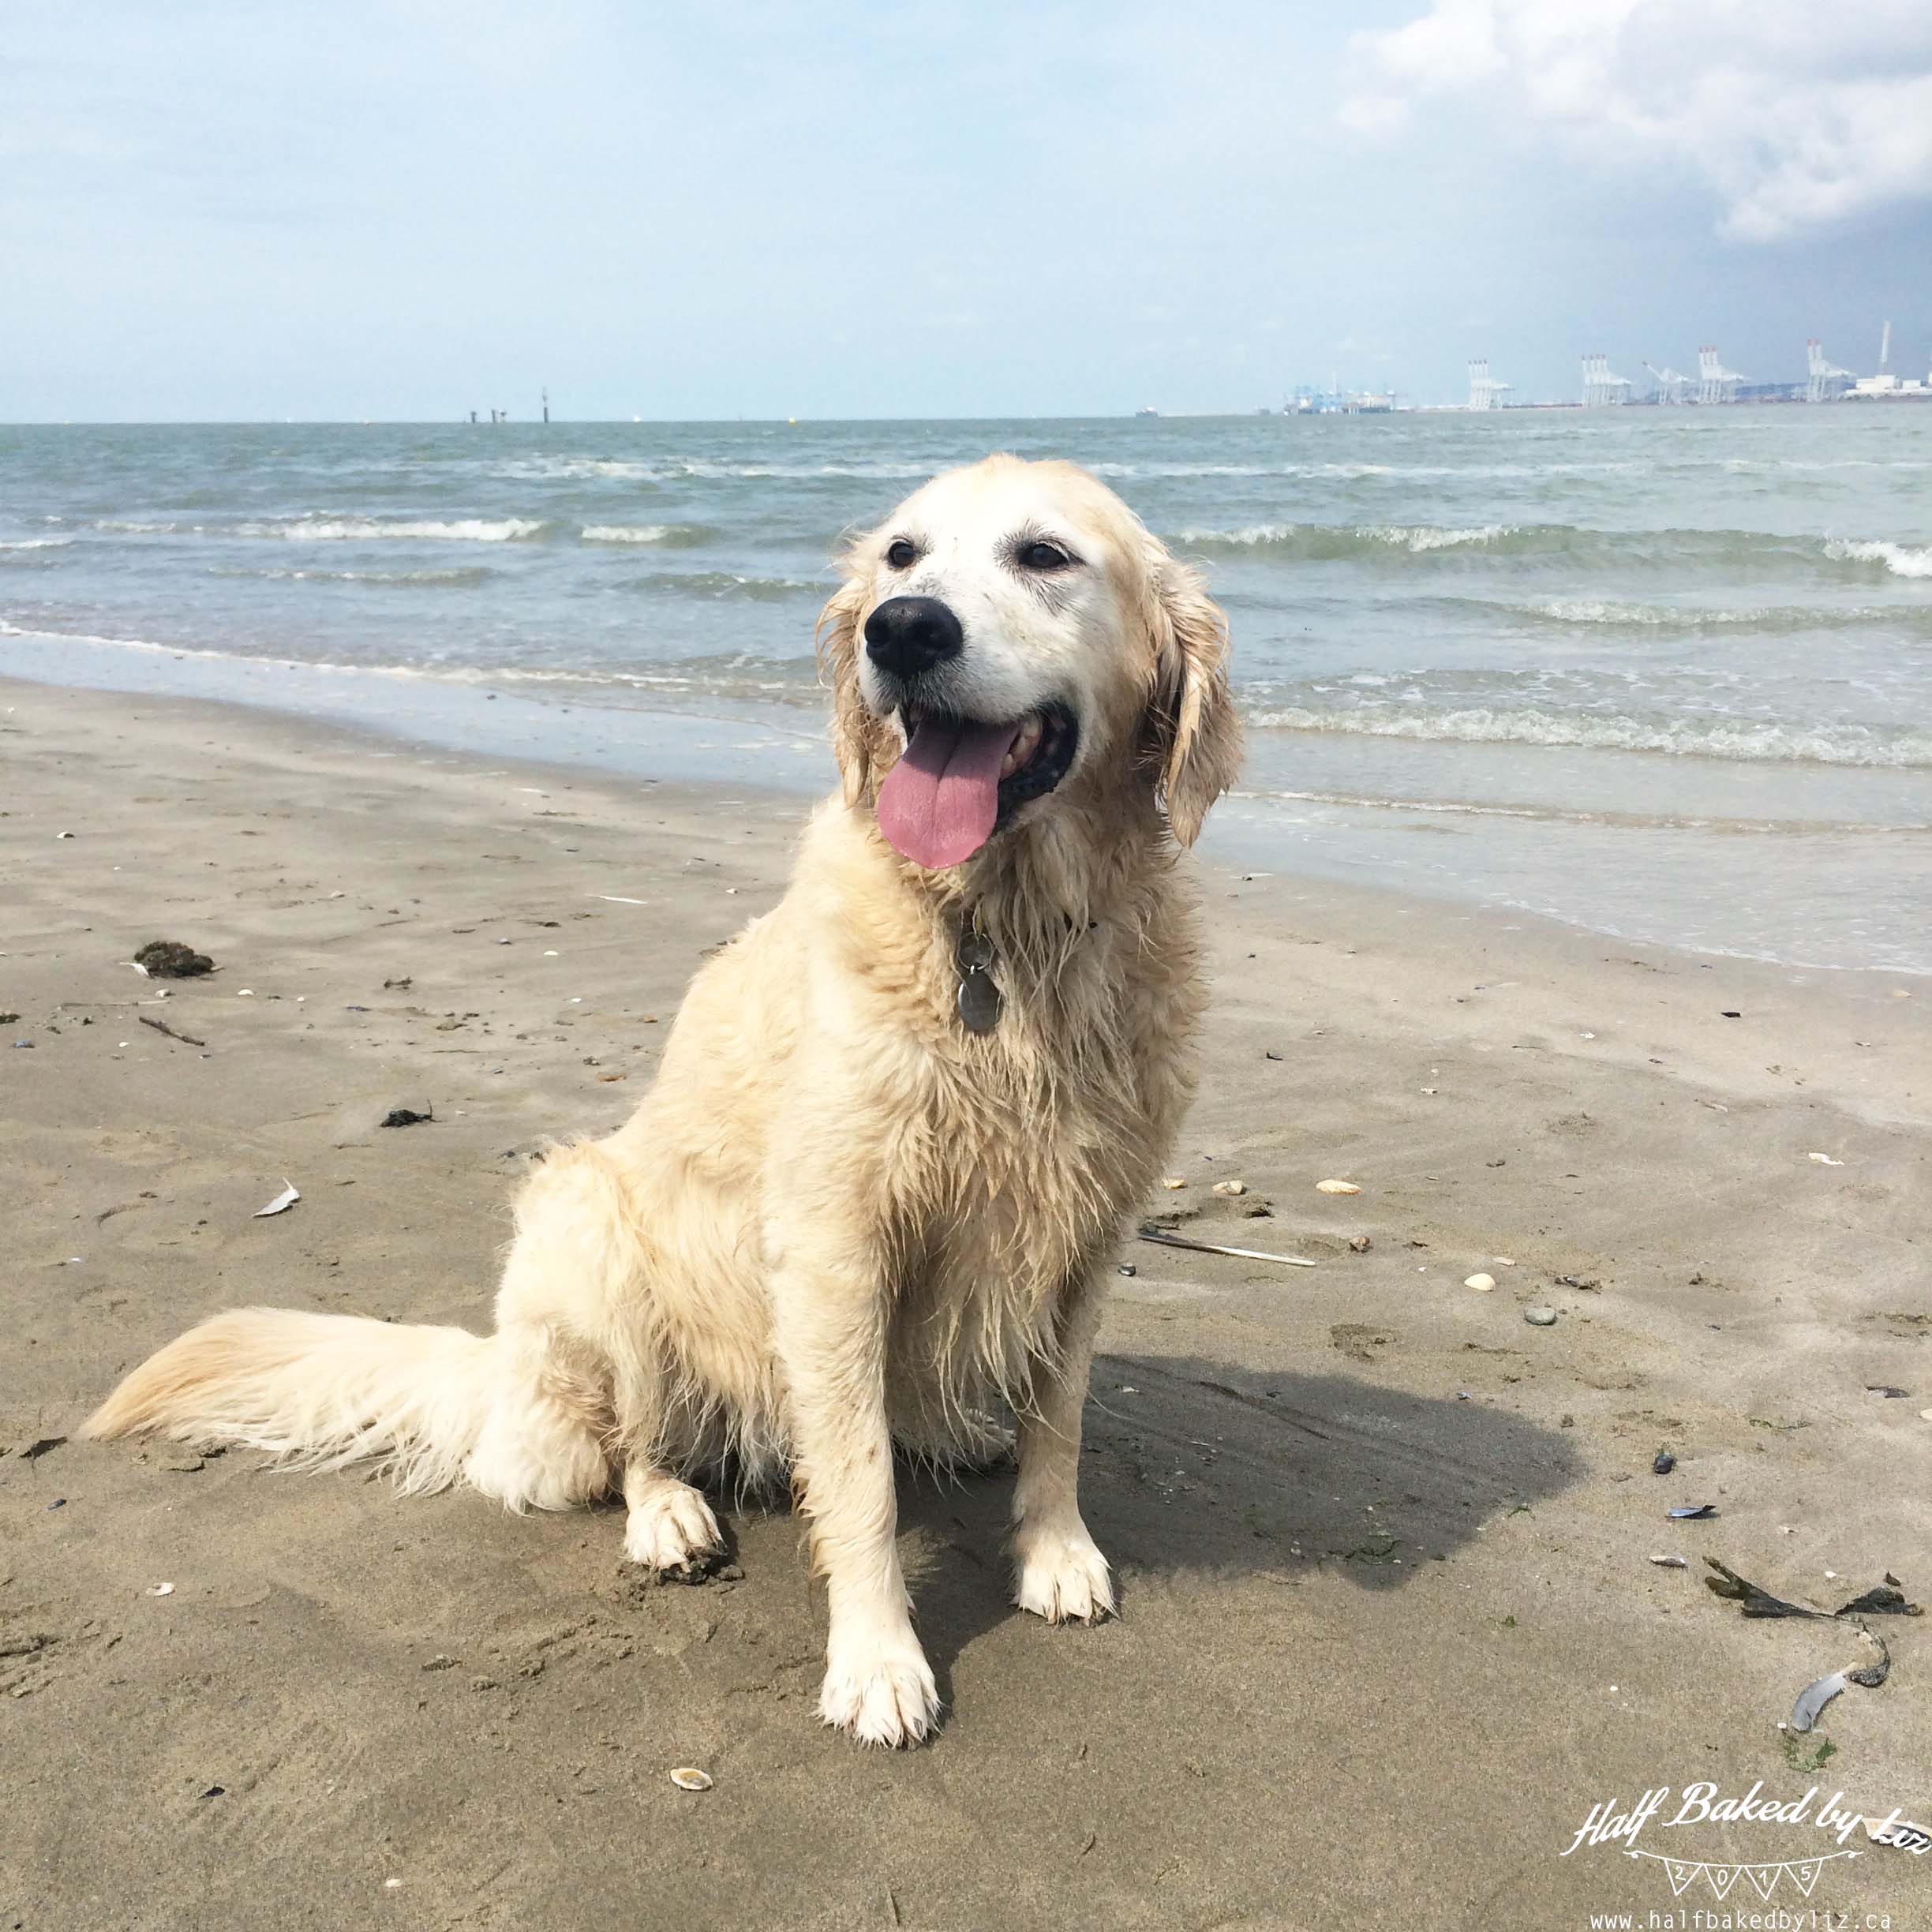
856 742
1195 737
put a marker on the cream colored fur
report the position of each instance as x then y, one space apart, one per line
839 1218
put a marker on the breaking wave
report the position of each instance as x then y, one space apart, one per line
461 577
1897 558
1818 744
670 535
1727 551
715 584
370 530
1318 541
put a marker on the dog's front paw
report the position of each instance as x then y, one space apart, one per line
890 1700
1062 1575
671 1529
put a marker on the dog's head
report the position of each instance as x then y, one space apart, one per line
1012 634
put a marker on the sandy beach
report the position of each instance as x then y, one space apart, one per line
1391 1628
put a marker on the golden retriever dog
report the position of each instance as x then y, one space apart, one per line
901 1121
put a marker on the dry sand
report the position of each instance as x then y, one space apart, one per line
1391 1628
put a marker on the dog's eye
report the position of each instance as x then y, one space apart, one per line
902 553
1042 556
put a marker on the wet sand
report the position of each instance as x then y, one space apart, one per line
1390 1629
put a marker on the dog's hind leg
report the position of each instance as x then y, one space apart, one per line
1060 1575
547 1441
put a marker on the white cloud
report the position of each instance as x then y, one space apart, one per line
1793 114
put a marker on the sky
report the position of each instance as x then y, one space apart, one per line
408 209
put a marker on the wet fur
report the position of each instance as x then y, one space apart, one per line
837 1213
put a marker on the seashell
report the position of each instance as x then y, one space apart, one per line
1359 1244
1692 1512
688 1777
1670 1563
1824 1160
1482 1283
1337 1187
1229 1188
1173 1180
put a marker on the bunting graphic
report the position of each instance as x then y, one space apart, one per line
1684 1873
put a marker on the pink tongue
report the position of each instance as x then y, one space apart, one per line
939 803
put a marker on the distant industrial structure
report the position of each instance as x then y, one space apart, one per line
1671 388
1715 384
1336 401
1483 387
1886 384
1601 389
1824 380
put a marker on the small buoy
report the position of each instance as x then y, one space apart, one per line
1337 1187
688 1777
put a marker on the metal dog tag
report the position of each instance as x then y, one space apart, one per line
979 1001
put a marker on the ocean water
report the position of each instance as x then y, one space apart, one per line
1661 673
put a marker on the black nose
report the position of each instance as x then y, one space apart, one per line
906 635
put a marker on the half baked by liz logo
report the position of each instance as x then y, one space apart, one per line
1701 1804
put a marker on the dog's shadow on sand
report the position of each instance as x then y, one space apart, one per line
1191 1469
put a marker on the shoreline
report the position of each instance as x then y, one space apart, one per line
1365 841
1377 1536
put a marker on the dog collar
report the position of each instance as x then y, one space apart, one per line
978 999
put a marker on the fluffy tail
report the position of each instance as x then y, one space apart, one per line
319 1390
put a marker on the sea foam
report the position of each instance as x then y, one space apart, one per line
1899 558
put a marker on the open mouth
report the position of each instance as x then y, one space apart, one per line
959 780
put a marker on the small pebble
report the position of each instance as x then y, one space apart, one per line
1665 1463
1127 1269
1482 1283
1541 1317
1173 1180
1230 1188
1337 1187
1359 1244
